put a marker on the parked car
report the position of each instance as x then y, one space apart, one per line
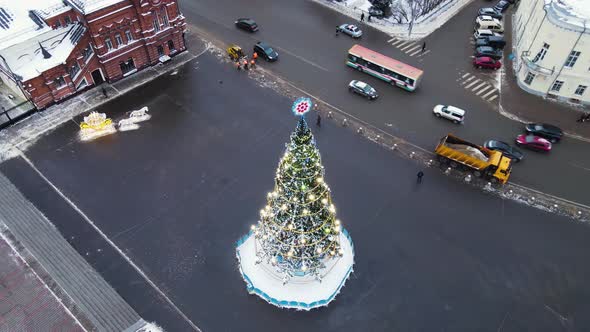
375 12
533 142
490 12
486 62
351 30
493 41
265 51
449 112
550 132
488 23
501 6
481 19
509 151
363 89
482 33
247 24
487 51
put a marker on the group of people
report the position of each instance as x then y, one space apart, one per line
247 64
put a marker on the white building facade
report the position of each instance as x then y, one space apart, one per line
552 48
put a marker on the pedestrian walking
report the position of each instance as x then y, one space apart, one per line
318 121
362 17
255 56
252 63
245 64
419 175
238 66
423 47
584 118
104 92
337 30
369 18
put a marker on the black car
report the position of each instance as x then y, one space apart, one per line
550 132
491 41
363 89
488 51
501 6
489 12
511 152
266 51
247 24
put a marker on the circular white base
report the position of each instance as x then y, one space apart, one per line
302 293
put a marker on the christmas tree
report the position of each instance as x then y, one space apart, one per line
298 236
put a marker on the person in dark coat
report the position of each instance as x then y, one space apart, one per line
362 17
420 175
318 121
104 92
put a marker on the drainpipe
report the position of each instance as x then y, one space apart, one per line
527 22
563 65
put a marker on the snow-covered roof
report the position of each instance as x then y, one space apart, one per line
89 6
26 58
570 13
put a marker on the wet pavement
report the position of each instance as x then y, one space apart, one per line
176 194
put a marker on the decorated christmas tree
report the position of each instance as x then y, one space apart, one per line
301 254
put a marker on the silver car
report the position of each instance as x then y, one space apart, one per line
351 30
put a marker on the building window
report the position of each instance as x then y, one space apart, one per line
171 46
557 86
156 24
160 50
127 66
109 44
128 35
57 24
529 78
118 39
164 16
580 90
68 20
59 82
87 52
571 59
74 70
542 52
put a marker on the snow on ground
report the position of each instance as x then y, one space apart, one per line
150 327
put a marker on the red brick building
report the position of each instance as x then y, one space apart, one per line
54 52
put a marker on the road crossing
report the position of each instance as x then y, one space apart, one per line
411 48
478 86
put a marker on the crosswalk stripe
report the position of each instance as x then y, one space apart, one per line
472 84
467 80
493 97
407 46
465 75
409 50
398 42
414 53
425 52
392 39
482 90
402 44
479 86
489 93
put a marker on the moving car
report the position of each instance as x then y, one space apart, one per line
501 6
449 112
486 62
363 89
487 51
265 51
550 132
351 30
493 41
509 151
533 142
247 24
490 12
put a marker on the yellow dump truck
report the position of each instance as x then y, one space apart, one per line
490 164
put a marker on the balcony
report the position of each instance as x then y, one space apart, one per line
537 68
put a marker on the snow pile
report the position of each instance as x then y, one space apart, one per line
89 6
150 327
574 12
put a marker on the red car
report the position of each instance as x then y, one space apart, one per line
533 142
486 62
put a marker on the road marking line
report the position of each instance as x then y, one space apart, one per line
402 44
467 80
465 75
493 97
412 49
472 83
414 53
489 93
109 241
407 46
301 58
484 89
398 42
392 39
479 86
425 52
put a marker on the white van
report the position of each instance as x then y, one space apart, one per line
449 112
481 33
488 23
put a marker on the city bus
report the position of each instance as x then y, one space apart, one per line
383 67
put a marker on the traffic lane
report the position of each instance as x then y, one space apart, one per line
213 160
404 114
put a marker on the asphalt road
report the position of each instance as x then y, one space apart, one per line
176 195
312 58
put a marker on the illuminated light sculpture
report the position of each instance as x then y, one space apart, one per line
298 255
96 125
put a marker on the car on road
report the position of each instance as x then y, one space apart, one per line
482 33
488 11
486 62
533 142
449 112
247 24
351 30
501 6
363 89
550 132
509 151
487 51
265 51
